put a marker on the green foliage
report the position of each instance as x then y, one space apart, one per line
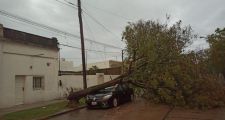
167 73
217 50
94 69
82 101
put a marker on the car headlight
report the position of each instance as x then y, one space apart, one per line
107 97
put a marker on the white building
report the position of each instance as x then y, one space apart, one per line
66 65
101 65
70 78
28 68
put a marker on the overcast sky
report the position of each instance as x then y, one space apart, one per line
203 15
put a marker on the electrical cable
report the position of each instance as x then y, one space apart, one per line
109 12
99 23
66 4
9 15
86 49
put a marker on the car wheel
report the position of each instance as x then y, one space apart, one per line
115 102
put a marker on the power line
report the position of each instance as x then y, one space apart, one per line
99 23
66 4
89 28
94 19
12 16
87 49
109 12
71 3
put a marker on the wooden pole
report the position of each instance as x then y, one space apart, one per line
82 44
122 61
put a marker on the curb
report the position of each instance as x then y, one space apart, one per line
61 113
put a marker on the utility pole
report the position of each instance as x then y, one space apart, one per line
59 74
122 61
86 53
82 44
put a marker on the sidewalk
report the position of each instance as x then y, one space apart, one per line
4 111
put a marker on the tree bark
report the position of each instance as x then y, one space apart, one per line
79 94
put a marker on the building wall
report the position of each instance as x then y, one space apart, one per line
113 64
28 61
100 65
66 65
76 81
1 45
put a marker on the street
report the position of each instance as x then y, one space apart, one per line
140 110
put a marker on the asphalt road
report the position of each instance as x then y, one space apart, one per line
140 110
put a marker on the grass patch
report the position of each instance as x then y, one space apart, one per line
38 112
76 103
82 101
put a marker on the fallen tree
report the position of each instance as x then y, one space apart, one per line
171 75
162 72
75 96
82 93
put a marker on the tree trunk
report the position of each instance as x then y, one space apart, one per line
79 94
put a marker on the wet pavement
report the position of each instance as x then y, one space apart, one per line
187 114
140 110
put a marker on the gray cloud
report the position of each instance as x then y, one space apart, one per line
204 16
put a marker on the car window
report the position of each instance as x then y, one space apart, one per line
119 88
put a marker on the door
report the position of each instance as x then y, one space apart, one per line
19 90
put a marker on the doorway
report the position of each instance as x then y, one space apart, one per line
19 90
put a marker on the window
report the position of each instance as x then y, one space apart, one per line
37 83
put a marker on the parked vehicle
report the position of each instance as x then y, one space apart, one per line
110 96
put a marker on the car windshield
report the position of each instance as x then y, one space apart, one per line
108 89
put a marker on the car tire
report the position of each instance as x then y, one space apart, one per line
115 102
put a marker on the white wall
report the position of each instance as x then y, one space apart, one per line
66 65
1 68
16 64
76 81
100 65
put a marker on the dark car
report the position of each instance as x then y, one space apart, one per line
110 96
